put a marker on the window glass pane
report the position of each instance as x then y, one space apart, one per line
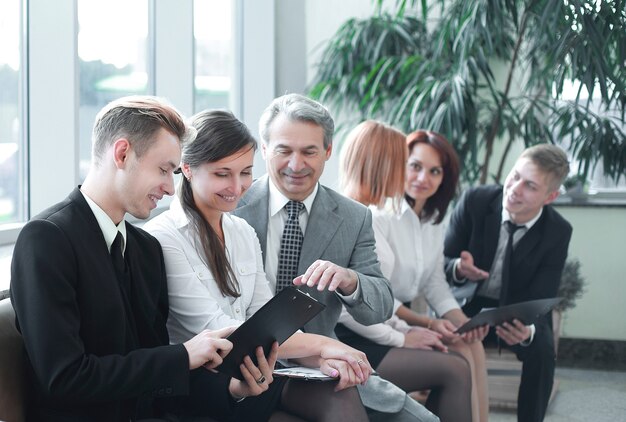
213 33
113 52
12 144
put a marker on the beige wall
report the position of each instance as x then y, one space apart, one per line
599 242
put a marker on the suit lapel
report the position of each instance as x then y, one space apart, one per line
529 241
255 209
321 228
491 231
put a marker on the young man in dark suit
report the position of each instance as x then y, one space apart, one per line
90 292
476 246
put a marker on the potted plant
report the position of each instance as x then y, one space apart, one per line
571 288
485 73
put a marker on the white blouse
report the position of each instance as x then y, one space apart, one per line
411 258
196 302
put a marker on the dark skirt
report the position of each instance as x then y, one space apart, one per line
207 387
375 352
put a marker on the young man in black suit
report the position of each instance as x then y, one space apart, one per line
90 292
476 252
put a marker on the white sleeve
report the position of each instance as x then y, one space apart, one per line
262 292
382 333
386 257
192 303
435 287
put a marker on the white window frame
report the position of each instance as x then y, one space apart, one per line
51 119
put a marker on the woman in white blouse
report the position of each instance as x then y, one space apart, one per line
216 279
409 198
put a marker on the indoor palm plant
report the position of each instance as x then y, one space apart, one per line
487 73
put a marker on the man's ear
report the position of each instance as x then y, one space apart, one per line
329 151
121 149
264 150
551 197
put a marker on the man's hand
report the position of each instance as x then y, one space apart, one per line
423 338
513 333
465 268
329 276
257 378
208 348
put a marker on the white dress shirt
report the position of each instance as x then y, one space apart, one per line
410 252
196 302
275 226
108 227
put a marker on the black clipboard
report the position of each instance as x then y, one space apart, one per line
526 312
277 320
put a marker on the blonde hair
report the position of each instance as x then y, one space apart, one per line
136 118
552 160
372 164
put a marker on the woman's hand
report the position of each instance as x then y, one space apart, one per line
340 369
257 378
446 329
423 338
353 358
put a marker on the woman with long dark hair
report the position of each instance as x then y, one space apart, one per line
216 279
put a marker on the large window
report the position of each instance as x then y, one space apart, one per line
114 59
214 54
13 198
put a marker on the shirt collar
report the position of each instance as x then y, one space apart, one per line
278 200
178 214
507 217
108 227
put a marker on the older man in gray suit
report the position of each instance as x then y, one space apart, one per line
334 258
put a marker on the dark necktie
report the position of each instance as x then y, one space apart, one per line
290 246
124 279
506 264
118 258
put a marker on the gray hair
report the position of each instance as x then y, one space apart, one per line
297 107
552 160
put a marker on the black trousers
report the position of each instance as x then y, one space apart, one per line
538 365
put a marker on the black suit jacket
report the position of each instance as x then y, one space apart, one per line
83 361
539 257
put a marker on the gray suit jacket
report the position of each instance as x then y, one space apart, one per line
339 230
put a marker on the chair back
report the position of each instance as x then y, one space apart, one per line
11 366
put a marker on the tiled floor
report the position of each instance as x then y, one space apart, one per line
583 395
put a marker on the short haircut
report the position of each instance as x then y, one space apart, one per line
137 119
551 160
296 107
372 164
437 204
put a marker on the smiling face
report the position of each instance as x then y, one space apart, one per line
150 176
526 191
217 186
424 173
295 156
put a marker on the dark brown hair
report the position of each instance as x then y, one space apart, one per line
219 135
437 204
